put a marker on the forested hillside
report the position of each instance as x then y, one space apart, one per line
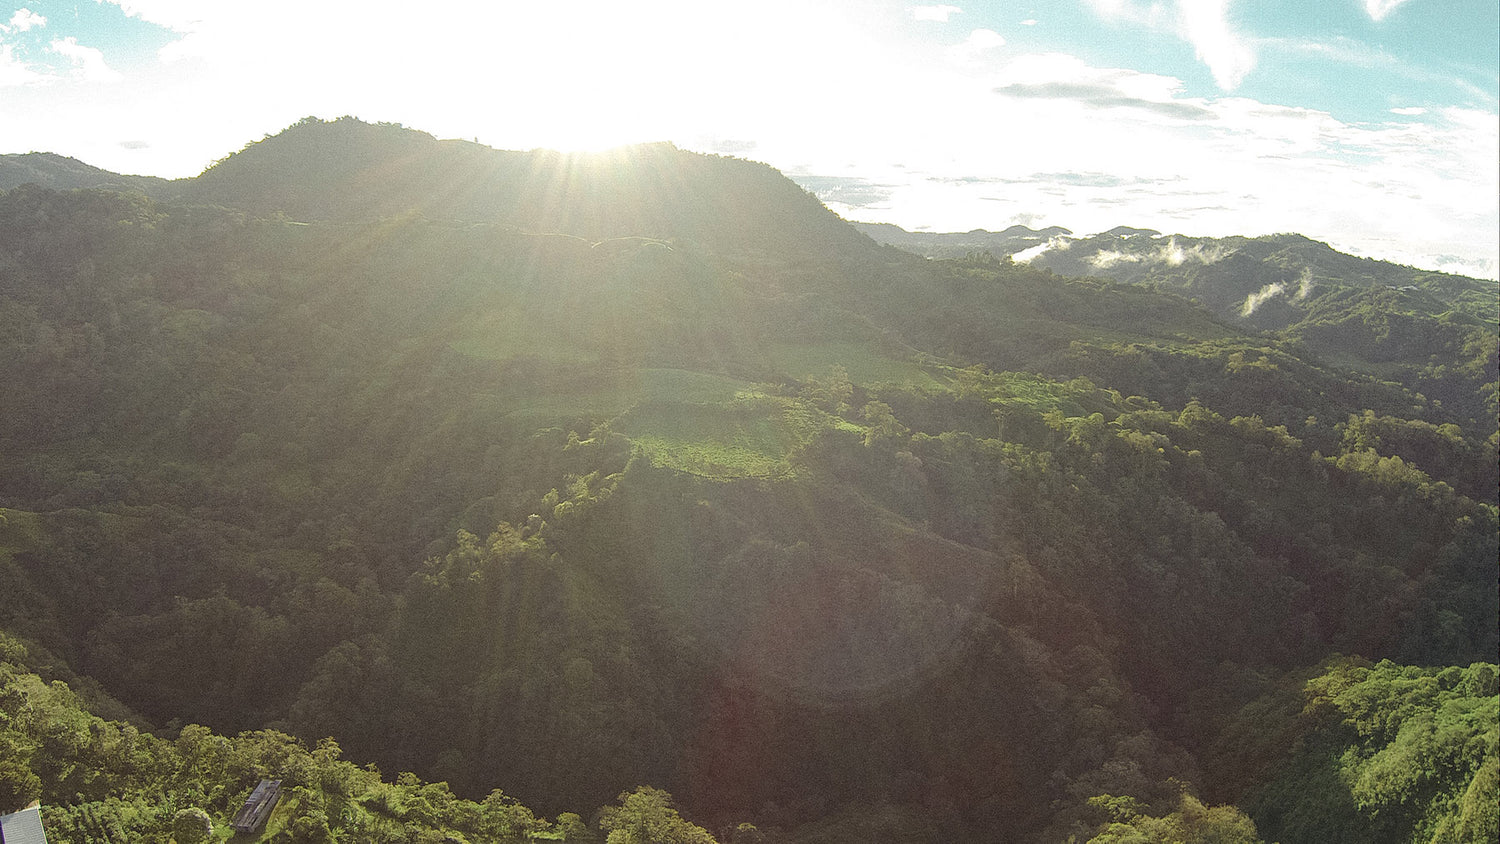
1430 331
594 478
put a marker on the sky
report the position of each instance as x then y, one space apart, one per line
1373 125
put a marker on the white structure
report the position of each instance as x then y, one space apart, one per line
24 827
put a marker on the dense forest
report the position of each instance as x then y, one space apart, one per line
639 492
1432 332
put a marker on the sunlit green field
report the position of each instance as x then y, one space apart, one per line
746 439
1038 393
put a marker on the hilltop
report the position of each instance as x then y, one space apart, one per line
347 170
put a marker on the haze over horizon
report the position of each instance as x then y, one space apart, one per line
1370 124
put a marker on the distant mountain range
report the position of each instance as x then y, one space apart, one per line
959 244
1376 316
351 170
1261 281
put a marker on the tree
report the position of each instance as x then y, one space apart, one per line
18 784
646 816
1191 823
574 830
883 423
192 826
831 391
507 820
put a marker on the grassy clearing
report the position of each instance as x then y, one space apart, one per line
1024 389
741 440
863 361
710 458
1038 393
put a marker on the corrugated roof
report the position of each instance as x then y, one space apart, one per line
24 827
258 806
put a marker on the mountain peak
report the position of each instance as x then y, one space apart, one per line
347 169
1131 231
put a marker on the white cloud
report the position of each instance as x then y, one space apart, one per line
1339 48
1226 52
984 39
13 71
1379 9
1170 253
1256 299
1030 22
979 42
1026 256
1106 258
88 62
23 20
587 74
1411 111
1275 289
1205 24
934 13
1420 192
1068 80
176 15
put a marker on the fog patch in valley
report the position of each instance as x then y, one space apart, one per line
1170 253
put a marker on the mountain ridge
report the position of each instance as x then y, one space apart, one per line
1374 316
350 170
475 169
50 170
